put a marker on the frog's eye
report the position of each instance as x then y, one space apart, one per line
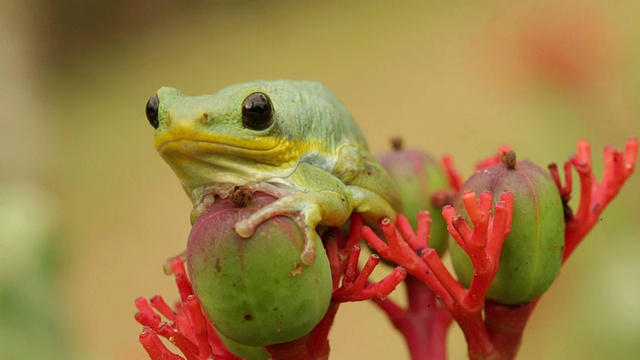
152 110
257 111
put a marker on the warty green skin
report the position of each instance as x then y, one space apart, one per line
313 157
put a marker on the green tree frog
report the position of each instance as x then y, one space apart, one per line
290 139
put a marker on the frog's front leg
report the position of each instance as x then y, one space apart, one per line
300 207
315 198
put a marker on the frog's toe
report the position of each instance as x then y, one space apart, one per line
306 219
245 227
308 254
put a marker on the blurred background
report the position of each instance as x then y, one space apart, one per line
89 211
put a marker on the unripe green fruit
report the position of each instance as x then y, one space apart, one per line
532 253
256 291
417 176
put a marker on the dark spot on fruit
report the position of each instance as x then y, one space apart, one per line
218 268
248 317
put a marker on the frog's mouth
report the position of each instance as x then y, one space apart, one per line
267 152
195 146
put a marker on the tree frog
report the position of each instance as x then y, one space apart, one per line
290 139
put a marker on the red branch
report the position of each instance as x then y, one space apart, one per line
187 326
483 244
453 175
594 196
423 324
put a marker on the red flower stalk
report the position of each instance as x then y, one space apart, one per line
423 323
594 197
187 327
453 175
483 244
343 253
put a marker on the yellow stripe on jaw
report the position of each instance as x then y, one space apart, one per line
187 133
267 151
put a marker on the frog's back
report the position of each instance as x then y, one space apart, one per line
330 127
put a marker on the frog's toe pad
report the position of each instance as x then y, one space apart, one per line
308 256
245 228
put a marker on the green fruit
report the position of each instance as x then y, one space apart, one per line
256 291
418 176
532 253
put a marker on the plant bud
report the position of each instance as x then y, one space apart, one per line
256 291
532 253
418 176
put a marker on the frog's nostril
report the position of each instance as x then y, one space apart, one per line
152 110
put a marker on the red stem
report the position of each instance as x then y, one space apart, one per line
505 325
423 324
430 322
318 339
594 197
453 175
294 350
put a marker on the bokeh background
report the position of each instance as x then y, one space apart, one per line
88 211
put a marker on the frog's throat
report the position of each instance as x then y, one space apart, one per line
204 168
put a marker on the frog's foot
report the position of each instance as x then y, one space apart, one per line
301 208
206 195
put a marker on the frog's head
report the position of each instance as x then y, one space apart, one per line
246 132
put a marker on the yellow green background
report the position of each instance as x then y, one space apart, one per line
89 211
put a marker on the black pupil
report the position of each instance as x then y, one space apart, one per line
257 112
152 110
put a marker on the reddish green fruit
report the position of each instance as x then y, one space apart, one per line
256 291
532 253
418 176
